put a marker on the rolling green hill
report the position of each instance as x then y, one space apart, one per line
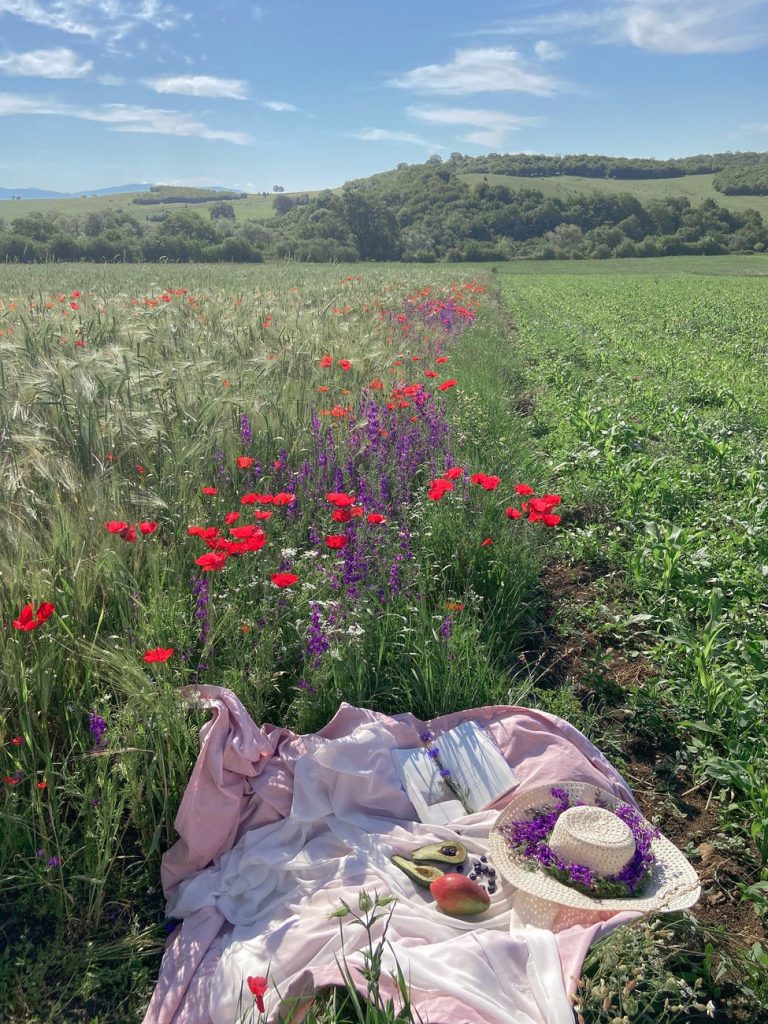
697 187
255 207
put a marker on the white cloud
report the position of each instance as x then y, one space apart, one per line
492 125
661 26
111 80
385 135
490 69
60 63
94 18
200 85
545 50
687 28
122 117
277 105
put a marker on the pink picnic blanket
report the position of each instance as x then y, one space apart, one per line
276 829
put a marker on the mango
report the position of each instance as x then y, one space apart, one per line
459 896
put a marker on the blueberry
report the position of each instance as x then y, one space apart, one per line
473 876
492 872
460 868
491 889
483 858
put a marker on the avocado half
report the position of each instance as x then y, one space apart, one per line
422 874
443 853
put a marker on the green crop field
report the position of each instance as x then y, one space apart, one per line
255 207
695 187
139 401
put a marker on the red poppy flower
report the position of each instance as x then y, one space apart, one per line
284 579
431 373
261 499
41 785
454 606
341 515
209 490
17 741
116 526
512 513
523 489
244 461
552 499
340 499
550 519
206 532
438 488
277 464
44 612
257 988
376 384
30 620
447 384
339 411
262 514
442 359
326 361
488 483
157 654
243 532
345 364
323 387
376 518
337 541
231 517
212 561
148 528
487 542
75 295
12 780
453 473
283 498
129 534
139 469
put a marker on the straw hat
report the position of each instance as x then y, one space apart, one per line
595 837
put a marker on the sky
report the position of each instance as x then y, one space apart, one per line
308 94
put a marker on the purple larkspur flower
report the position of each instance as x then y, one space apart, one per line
54 862
245 429
317 642
97 727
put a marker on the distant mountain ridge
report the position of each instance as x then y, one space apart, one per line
42 193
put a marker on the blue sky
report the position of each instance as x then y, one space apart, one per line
312 93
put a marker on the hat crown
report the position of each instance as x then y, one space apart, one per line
594 837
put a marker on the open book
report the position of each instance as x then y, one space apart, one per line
479 775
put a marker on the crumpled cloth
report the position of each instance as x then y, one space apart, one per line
277 828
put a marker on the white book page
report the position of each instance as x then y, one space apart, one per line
477 767
476 763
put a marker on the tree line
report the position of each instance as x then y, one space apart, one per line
751 180
421 212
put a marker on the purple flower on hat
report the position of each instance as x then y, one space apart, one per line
529 838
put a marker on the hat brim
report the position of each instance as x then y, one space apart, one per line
673 883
